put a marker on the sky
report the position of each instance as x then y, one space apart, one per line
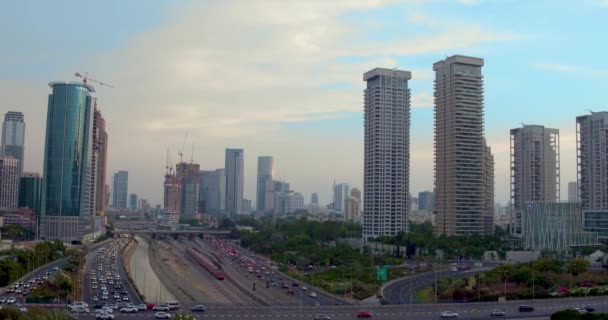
284 78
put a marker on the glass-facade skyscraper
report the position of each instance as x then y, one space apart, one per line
120 189
265 173
13 137
66 183
234 181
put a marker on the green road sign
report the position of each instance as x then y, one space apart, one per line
381 274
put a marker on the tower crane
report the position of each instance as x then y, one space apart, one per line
181 151
86 78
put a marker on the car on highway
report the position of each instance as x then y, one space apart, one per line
199 308
2 300
364 314
161 307
312 294
141 307
162 315
104 316
498 313
79 309
448 314
525 308
129 309
150 306
125 298
581 311
322 317
588 308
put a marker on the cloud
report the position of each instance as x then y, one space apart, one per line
584 71
422 100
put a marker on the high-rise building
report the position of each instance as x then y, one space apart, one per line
29 191
352 205
488 201
426 200
386 152
234 180
534 169
13 137
143 205
108 195
120 189
133 201
287 202
573 191
188 174
213 191
592 160
9 182
314 198
100 160
246 206
265 173
461 171
341 193
172 195
67 189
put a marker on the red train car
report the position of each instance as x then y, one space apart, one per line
213 269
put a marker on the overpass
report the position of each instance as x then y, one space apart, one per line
159 233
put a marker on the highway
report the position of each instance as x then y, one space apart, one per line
543 309
403 290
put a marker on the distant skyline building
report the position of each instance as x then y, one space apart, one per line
133 201
341 193
100 162
9 182
287 203
314 198
234 181
386 152
246 207
188 174
213 191
592 160
30 185
13 138
120 190
426 200
462 174
352 206
573 192
172 195
265 173
534 169
67 188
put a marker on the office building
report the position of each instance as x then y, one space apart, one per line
132 201
573 191
188 174
534 169
426 200
234 181
265 173
386 152
120 189
488 201
246 206
30 185
9 182
213 191
100 161
341 193
314 198
287 203
67 188
108 195
143 205
592 159
555 226
461 171
13 138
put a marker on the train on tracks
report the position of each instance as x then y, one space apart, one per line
210 267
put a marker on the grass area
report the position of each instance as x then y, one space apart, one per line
425 295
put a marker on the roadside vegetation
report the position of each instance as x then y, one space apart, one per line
544 278
16 262
575 315
308 251
33 313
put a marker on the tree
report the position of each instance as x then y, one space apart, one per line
577 266
10 313
566 315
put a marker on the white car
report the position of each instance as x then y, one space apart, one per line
129 309
11 300
162 307
162 315
312 294
449 314
80 309
104 316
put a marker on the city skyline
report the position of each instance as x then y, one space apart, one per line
322 103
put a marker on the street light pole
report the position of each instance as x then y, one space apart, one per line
533 287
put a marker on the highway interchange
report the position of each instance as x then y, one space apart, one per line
399 292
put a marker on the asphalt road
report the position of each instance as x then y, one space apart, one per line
38 273
86 285
403 290
543 309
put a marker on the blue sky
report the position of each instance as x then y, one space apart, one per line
283 78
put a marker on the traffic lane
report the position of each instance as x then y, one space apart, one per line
86 281
34 274
133 296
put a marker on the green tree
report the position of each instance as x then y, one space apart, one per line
577 266
566 315
10 313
